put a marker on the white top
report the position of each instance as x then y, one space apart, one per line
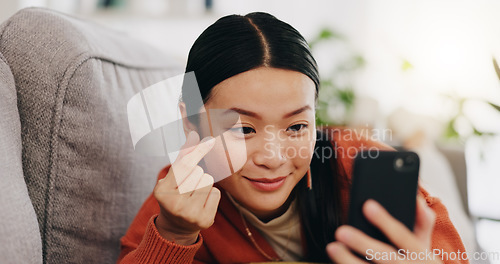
282 233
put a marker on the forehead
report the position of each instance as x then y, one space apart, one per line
265 90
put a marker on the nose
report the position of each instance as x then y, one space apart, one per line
271 155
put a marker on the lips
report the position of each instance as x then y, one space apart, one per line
267 185
266 180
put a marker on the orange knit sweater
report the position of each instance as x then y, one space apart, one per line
226 240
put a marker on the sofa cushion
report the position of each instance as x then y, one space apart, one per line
19 233
73 81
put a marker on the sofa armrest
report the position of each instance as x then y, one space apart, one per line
19 233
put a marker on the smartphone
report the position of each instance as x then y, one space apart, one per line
390 178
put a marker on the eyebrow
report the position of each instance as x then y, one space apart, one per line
255 115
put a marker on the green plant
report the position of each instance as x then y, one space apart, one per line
451 131
336 100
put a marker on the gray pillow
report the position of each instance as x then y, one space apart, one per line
19 234
73 80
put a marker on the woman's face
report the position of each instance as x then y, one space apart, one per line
277 126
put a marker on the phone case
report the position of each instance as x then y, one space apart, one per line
389 177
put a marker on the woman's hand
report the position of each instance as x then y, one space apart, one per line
417 243
188 201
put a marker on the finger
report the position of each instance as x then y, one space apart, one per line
192 158
207 214
213 200
203 189
192 139
393 229
339 253
197 201
182 167
363 244
189 183
424 222
206 181
211 204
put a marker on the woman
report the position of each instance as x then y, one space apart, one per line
280 205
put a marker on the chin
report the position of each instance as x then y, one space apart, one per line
269 201
254 199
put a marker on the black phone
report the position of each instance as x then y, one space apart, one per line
390 178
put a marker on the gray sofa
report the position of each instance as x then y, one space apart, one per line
70 181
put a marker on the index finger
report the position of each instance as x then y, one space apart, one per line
392 228
192 139
191 159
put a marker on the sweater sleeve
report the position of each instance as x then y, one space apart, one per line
446 242
143 244
153 248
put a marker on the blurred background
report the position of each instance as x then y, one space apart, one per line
416 74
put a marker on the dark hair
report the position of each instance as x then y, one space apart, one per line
236 44
319 207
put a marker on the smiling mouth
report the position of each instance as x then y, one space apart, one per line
266 180
266 184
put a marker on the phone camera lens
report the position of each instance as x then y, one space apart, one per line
399 163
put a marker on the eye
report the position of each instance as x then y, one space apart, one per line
243 130
297 127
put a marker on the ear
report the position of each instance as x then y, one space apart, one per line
186 124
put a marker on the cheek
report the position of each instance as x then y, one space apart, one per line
235 151
300 151
300 154
225 158
216 163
